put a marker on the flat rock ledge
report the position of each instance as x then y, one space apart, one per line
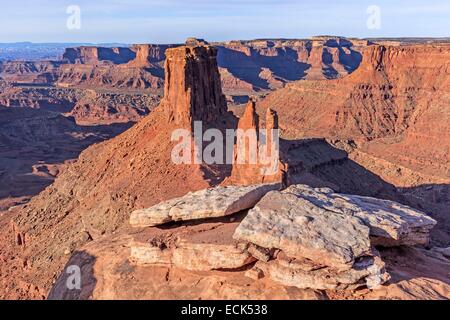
204 247
207 203
191 256
390 223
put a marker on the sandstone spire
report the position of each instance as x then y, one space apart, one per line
192 88
271 119
250 119
267 167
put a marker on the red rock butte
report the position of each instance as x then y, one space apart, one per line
193 89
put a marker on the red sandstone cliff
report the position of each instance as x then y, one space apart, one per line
270 64
137 67
397 99
391 114
246 66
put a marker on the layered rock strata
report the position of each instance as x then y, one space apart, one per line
208 203
193 89
257 157
211 249
301 237
325 240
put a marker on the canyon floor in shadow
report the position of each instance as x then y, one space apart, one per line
35 144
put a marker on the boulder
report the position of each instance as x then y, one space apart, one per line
285 220
301 273
322 240
207 203
205 257
390 223
201 248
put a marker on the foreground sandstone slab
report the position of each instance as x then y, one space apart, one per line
330 228
390 223
207 203
211 247
284 220
191 256
323 240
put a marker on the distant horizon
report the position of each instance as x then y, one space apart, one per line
218 41
172 21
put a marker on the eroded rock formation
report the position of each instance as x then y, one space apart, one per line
193 90
293 238
257 157
208 203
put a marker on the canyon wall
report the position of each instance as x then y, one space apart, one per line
246 66
94 196
394 106
135 75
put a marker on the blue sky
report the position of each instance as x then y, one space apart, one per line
172 21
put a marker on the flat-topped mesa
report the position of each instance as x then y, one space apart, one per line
207 203
81 54
192 87
98 55
193 42
147 54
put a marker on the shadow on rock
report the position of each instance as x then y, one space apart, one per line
77 281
